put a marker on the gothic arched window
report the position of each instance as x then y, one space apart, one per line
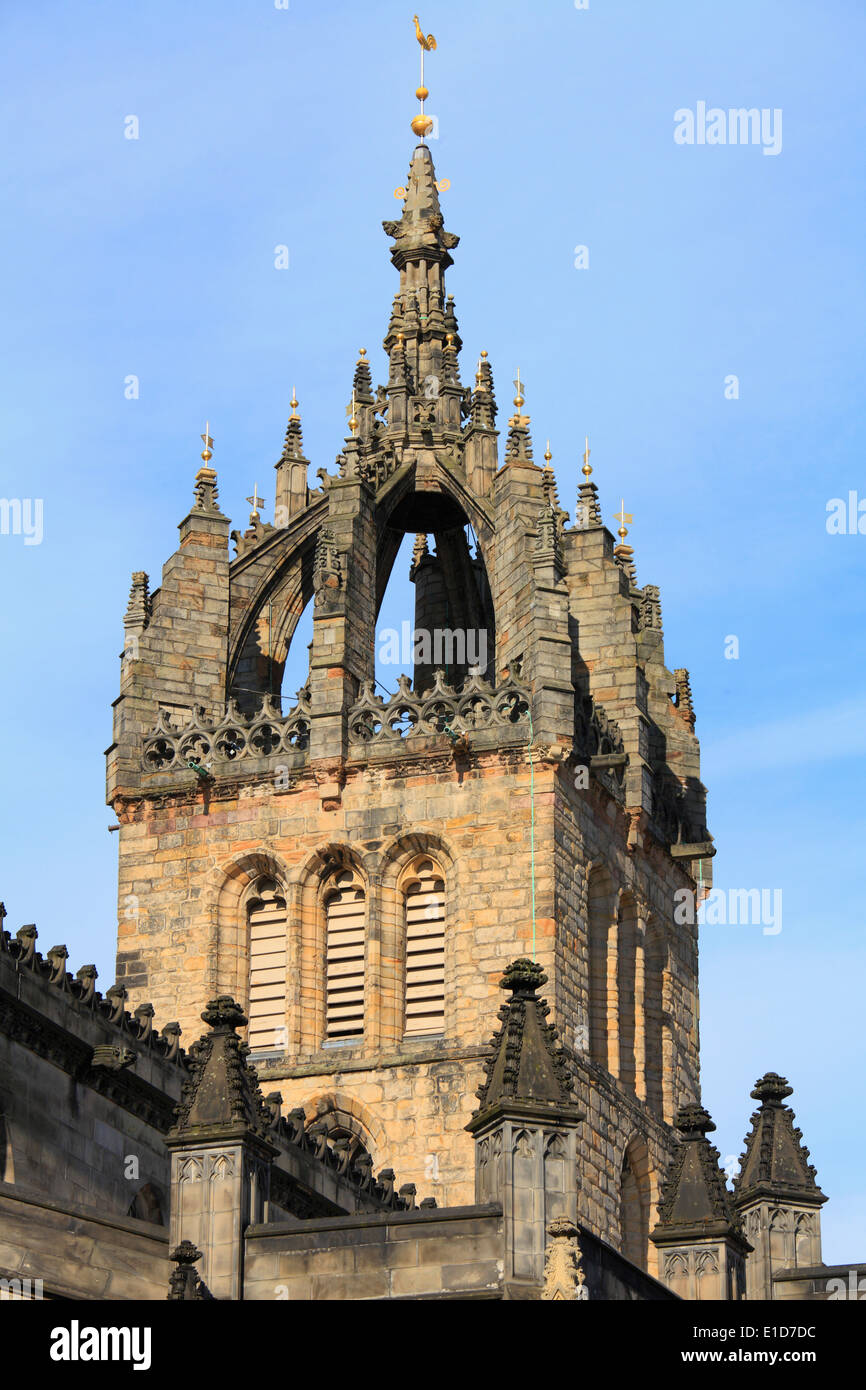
424 898
600 933
266 914
635 1203
345 941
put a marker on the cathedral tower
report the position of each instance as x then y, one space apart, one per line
355 869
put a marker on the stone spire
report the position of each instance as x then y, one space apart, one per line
222 1096
525 1127
421 227
776 1162
206 493
138 610
483 413
694 1195
423 340
292 492
221 1153
518 445
698 1226
527 1066
776 1193
293 447
588 505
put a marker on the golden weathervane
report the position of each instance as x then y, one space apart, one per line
421 124
586 470
624 518
206 452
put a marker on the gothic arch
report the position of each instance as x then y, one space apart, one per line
601 940
636 1200
342 1111
395 862
149 1204
286 562
628 1023
263 644
312 879
229 887
657 1026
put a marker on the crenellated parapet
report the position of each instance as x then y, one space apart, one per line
94 1038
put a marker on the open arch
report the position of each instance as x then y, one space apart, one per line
429 545
149 1204
344 1115
626 991
655 1024
635 1202
602 957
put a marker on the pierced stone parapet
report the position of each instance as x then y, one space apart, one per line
477 706
216 744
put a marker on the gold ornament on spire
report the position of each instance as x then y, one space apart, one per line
255 502
422 124
624 518
427 43
547 454
519 402
353 418
294 404
586 470
206 452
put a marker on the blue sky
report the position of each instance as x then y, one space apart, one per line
261 127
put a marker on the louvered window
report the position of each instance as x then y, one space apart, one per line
267 1011
344 959
425 951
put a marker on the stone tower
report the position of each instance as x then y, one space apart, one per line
355 869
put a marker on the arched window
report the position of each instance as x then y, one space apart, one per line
345 940
600 894
635 1203
656 960
266 913
424 897
147 1205
626 985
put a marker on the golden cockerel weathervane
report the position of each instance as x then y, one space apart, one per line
422 125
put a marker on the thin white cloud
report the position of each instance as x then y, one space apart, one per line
819 735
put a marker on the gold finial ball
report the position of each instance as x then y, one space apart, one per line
519 401
362 352
422 125
484 352
206 455
547 454
422 94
